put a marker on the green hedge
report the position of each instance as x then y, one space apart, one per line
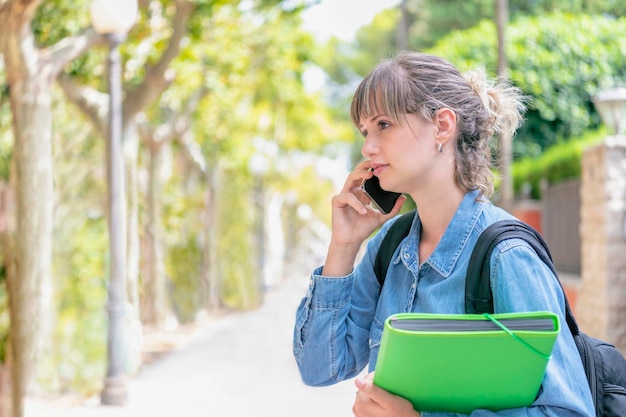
558 163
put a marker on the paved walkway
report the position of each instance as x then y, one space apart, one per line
240 365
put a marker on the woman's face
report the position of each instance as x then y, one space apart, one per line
404 154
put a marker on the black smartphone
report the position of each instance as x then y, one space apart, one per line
382 200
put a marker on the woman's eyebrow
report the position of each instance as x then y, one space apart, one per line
376 116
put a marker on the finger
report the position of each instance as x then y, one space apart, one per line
343 200
398 206
394 211
364 406
361 172
356 178
364 165
380 400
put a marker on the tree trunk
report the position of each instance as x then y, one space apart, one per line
506 146
6 231
210 273
4 386
30 74
502 17
29 286
154 286
133 317
28 271
402 30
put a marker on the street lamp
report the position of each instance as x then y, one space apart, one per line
114 18
611 105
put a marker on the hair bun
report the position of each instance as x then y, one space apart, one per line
504 102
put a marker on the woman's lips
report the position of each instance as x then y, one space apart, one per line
378 168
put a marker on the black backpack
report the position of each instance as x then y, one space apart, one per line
605 366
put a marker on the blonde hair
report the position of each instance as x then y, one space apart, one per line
413 82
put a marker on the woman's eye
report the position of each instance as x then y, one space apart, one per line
383 125
364 133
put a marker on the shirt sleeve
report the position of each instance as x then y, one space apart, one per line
520 281
331 340
327 346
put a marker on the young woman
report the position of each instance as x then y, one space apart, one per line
426 130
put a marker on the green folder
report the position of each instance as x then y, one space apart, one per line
463 362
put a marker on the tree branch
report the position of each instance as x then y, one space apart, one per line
55 58
183 120
23 10
191 149
156 80
176 125
192 152
146 133
89 100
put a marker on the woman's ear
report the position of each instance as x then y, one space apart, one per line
445 120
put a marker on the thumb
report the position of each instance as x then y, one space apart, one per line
392 404
375 393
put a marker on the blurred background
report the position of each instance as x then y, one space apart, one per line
167 165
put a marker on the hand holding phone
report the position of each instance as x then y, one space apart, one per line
381 199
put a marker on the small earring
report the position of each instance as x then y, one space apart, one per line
440 147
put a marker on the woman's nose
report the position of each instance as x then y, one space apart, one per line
369 148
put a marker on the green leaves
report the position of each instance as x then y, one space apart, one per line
560 60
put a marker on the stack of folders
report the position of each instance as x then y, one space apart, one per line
463 362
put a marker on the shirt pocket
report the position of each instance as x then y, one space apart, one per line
376 332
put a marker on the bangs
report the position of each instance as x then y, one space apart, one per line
380 92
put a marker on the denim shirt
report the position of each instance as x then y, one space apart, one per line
340 320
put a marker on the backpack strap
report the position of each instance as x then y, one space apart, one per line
478 296
396 234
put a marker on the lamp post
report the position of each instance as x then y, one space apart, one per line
113 18
611 105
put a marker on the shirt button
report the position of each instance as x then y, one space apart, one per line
407 256
413 285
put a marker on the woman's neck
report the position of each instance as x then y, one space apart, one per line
436 211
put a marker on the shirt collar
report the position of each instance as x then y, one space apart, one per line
457 234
